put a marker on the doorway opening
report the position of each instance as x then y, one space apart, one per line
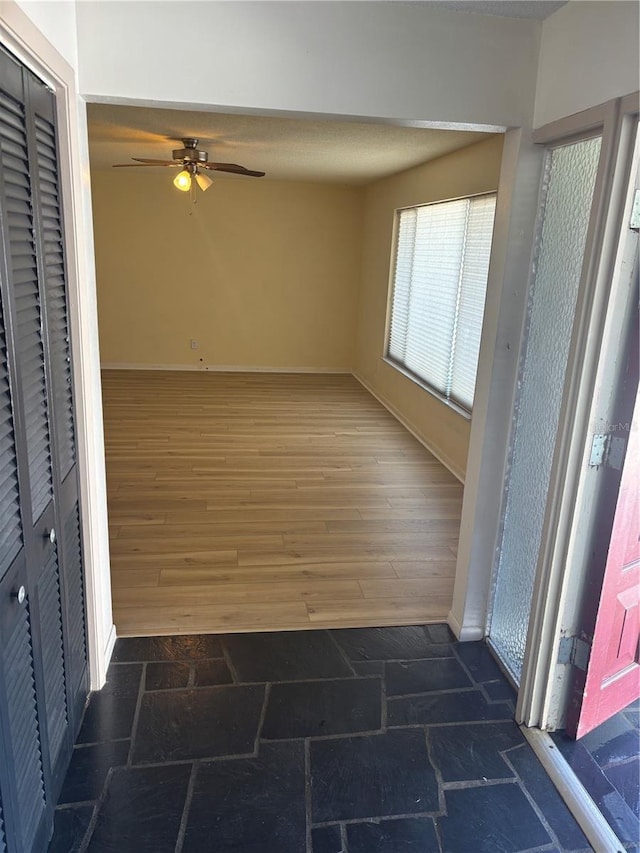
254 483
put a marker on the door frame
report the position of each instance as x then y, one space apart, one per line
601 314
23 39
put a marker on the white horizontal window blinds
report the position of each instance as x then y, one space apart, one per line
440 281
473 289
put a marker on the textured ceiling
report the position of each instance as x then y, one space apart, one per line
284 148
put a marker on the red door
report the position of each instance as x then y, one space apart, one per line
613 672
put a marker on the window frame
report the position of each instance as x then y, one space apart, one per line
452 403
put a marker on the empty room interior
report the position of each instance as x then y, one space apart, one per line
318 426
266 468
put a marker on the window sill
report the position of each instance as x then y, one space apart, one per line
422 384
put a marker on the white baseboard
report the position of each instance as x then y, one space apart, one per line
455 626
225 368
448 464
109 647
464 635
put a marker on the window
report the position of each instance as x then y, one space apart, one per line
439 287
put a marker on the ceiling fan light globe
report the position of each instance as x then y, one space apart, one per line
182 181
204 181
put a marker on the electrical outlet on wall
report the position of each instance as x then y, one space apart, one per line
193 343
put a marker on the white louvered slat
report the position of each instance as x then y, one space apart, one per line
404 262
472 298
440 277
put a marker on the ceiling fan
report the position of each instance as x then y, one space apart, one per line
192 161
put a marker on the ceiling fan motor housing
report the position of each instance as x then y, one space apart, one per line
190 153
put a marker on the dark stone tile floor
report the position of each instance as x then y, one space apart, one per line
607 762
376 740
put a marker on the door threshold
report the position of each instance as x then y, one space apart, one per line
591 820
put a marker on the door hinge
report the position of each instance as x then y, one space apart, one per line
634 223
607 450
574 651
598 450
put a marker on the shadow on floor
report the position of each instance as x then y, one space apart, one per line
607 762
381 740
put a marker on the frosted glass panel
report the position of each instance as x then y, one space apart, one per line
568 192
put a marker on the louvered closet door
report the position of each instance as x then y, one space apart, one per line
43 663
21 771
48 212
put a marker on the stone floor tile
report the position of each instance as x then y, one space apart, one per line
613 741
490 819
472 752
250 804
326 839
602 791
177 725
166 675
500 691
547 798
406 835
88 770
286 656
632 713
454 707
111 711
320 708
439 633
188 647
479 661
625 777
409 643
372 776
210 672
142 810
377 791
69 829
422 676
368 667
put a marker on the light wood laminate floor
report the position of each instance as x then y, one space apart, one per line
249 502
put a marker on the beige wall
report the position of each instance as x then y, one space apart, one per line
588 55
268 274
261 273
472 170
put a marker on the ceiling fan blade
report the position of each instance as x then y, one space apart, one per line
141 165
130 165
156 162
234 168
